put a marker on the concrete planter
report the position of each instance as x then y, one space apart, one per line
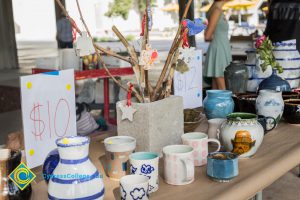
155 124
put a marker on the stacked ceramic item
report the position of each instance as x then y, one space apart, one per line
288 57
255 73
84 180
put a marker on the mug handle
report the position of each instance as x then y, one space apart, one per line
274 120
189 166
215 141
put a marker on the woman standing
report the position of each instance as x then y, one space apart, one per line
218 56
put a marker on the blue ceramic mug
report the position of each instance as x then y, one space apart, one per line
222 166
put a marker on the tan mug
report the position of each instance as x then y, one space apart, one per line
117 151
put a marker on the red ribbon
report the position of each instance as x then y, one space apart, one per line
143 25
74 33
129 94
185 39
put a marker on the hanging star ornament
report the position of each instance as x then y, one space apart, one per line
127 109
127 112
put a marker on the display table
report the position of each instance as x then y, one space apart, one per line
279 153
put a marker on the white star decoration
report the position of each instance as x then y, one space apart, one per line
127 112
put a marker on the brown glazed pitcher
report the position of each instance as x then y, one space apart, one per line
9 160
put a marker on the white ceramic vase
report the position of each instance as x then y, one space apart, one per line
242 134
75 176
269 103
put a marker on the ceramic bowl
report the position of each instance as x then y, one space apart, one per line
290 95
246 103
292 111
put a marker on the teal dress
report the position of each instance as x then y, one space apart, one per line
218 55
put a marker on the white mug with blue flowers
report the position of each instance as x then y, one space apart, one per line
145 163
134 187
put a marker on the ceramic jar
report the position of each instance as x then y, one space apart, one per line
9 160
274 82
241 134
218 103
236 77
75 176
288 57
269 103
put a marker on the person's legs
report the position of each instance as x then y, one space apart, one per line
69 44
62 44
220 81
214 85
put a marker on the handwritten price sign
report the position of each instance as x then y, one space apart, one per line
189 84
48 112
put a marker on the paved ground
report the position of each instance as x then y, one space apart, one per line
286 188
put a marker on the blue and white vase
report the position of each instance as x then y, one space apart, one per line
269 103
288 57
75 176
218 103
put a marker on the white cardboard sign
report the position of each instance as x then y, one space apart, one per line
48 112
189 84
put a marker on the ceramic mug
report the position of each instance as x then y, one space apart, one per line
199 141
268 123
222 166
117 151
134 187
145 163
178 164
213 126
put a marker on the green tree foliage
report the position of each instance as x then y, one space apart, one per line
122 7
119 8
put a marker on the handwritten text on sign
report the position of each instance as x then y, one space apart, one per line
189 84
48 112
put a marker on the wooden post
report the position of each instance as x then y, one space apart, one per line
8 47
190 15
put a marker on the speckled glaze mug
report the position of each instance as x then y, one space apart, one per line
178 164
199 141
